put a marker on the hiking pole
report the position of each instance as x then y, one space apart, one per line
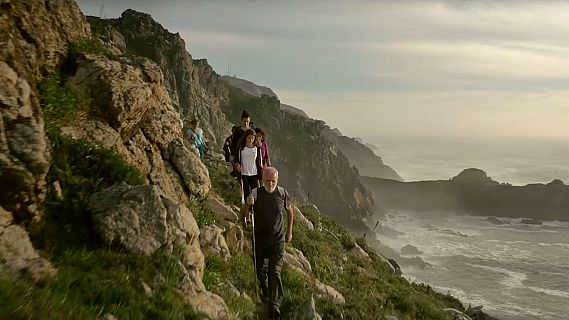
243 203
254 249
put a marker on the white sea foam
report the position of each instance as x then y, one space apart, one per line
556 293
513 279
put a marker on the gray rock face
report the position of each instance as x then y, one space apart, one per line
193 86
142 220
34 39
142 124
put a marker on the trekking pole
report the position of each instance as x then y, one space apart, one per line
254 249
243 203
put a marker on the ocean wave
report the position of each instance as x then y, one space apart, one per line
556 293
513 279
558 244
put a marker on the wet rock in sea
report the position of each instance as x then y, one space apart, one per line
410 250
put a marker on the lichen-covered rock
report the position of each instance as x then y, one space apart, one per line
142 220
195 294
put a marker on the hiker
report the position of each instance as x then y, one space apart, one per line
248 162
238 134
262 143
268 204
195 134
227 145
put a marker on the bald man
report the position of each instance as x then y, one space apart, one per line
269 203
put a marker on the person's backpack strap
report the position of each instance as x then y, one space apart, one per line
283 194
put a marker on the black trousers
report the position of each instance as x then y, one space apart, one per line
249 183
270 253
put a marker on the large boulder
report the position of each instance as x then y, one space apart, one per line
142 220
192 170
18 255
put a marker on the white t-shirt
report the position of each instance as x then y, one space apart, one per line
248 163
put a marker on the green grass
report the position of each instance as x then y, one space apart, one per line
92 283
203 215
60 104
90 45
223 183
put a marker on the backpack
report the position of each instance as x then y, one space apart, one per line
280 190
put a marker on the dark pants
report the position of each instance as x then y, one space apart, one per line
269 274
249 183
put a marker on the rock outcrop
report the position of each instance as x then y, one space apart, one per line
34 36
142 220
194 88
473 192
213 243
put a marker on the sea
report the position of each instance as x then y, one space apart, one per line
514 160
516 271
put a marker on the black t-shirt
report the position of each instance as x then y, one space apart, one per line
269 210
235 139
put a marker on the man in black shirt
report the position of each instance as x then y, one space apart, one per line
269 203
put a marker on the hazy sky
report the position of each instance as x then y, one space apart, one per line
389 68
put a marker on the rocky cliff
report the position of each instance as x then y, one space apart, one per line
357 153
193 86
473 192
312 168
257 91
320 175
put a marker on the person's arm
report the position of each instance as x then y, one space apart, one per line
290 211
268 156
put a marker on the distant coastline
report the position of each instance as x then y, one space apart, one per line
473 192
